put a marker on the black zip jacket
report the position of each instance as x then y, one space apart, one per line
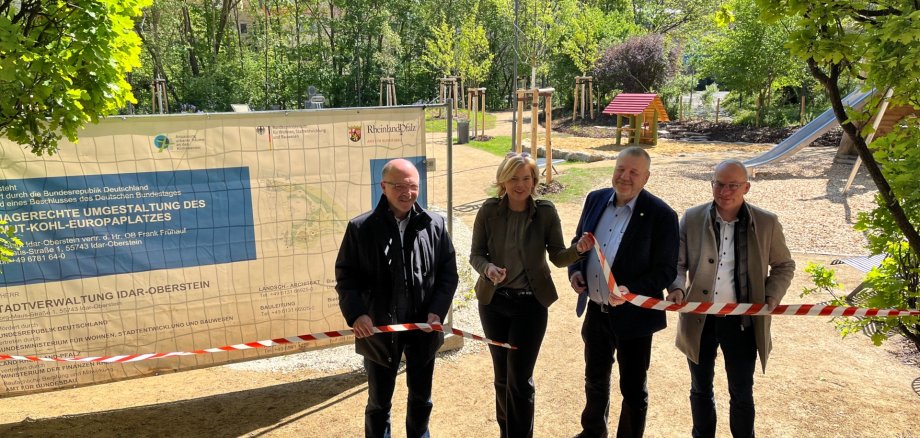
372 279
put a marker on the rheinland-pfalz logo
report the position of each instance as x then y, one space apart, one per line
354 133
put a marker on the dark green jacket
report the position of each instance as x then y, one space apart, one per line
543 235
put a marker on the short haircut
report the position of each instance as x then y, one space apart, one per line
732 162
510 165
388 167
636 151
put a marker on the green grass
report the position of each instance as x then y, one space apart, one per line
498 146
433 124
578 181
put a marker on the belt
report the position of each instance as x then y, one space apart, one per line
513 293
604 307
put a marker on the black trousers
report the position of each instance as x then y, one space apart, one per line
381 382
740 351
520 321
603 347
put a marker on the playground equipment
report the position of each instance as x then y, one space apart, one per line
388 89
807 134
533 95
584 94
642 111
448 89
882 124
476 103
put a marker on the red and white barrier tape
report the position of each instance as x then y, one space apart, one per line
260 344
741 308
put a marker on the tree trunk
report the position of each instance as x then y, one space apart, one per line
190 38
225 8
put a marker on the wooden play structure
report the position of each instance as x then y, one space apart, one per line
642 112
584 96
533 96
476 103
448 88
387 89
883 122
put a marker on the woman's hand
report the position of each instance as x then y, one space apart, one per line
585 243
495 274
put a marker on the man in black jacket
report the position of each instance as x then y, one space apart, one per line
638 234
396 265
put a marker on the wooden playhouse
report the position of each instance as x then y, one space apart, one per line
642 113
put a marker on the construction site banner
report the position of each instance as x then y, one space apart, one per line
184 232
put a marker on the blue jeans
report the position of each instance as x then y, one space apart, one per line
740 351
381 382
520 321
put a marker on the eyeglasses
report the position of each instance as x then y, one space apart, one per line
400 187
718 186
515 154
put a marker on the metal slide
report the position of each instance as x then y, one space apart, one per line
807 134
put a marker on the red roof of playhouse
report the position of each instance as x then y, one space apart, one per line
636 103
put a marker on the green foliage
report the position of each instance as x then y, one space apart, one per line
62 66
883 288
391 46
824 279
749 55
581 42
9 243
439 52
474 59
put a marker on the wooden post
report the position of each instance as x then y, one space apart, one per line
520 122
456 104
387 92
483 109
534 124
619 128
548 109
654 125
718 101
637 131
575 100
473 109
440 95
802 112
591 95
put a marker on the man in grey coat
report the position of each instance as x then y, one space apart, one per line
730 251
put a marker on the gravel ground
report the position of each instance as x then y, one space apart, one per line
806 191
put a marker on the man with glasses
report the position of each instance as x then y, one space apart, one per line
730 251
396 265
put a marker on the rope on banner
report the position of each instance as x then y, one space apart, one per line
742 308
260 344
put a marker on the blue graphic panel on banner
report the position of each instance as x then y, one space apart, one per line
377 168
87 226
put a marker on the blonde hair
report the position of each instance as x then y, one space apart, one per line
510 166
